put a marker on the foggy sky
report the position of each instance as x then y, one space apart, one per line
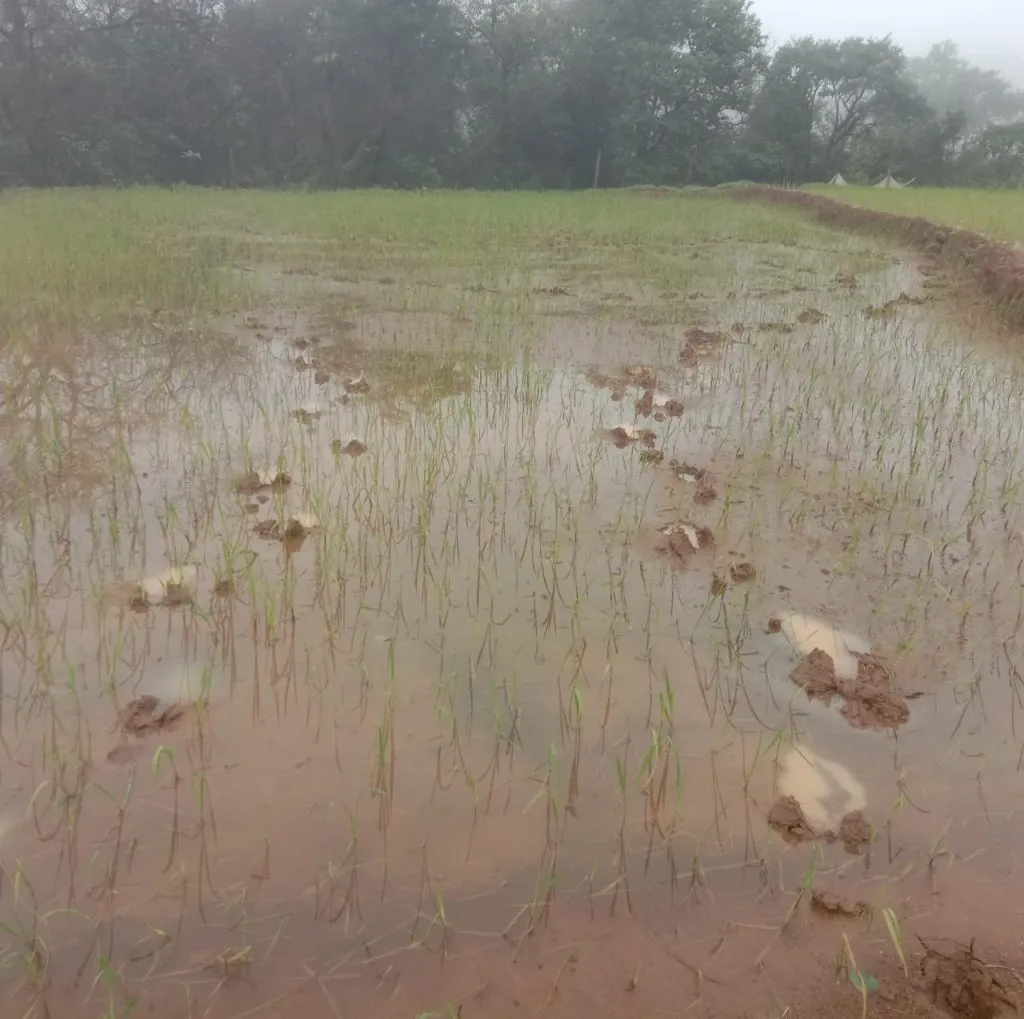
989 32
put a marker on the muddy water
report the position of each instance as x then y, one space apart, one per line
476 742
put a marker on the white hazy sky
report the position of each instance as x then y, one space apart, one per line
989 32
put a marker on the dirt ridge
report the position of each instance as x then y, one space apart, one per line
997 267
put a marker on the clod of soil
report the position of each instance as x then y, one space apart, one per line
645 405
700 343
833 904
689 473
806 633
260 479
641 375
683 541
707 337
706 492
269 529
625 435
811 316
742 573
147 714
350 447
855 833
787 818
307 415
357 384
321 376
870 702
173 587
815 675
296 527
960 983
224 588
300 525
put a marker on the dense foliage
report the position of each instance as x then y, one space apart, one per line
481 93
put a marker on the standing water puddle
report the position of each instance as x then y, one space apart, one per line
462 715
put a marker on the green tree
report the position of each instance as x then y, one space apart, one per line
821 96
951 84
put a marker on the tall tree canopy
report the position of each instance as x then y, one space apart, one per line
482 93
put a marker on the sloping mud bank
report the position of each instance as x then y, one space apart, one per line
996 268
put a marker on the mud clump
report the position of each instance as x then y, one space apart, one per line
645 405
960 983
699 344
640 375
815 675
687 472
869 701
683 541
295 528
269 529
742 573
872 703
349 447
255 481
357 384
626 435
148 714
854 832
706 493
787 818
833 904
811 317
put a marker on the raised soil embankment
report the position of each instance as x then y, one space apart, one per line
996 268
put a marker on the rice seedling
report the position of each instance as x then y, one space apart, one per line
367 575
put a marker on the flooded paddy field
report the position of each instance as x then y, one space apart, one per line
436 605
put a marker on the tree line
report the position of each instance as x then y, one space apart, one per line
479 93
